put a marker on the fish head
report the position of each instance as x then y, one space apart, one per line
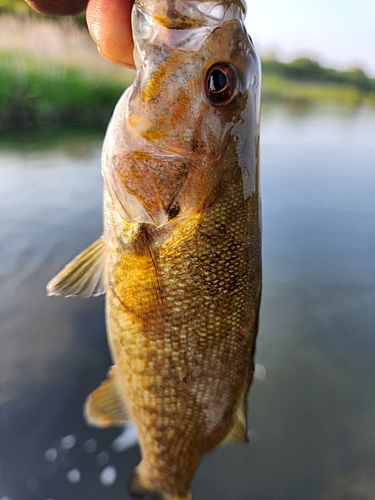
197 78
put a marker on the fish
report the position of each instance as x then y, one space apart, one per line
180 255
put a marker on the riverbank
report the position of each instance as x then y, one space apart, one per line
52 95
51 75
305 82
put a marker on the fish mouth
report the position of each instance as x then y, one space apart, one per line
187 14
180 23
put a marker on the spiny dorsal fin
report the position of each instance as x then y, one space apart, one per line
84 276
237 432
104 406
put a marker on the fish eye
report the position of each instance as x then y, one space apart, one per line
217 80
221 84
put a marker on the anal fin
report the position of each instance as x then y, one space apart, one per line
237 432
105 406
84 276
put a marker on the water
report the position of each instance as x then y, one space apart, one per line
311 407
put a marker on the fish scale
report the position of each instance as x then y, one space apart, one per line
205 360
180 256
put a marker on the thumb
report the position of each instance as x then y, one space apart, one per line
109 23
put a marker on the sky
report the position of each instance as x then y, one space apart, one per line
337 33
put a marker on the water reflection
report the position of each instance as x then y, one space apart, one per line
312 402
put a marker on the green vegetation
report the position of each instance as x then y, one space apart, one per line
14 6
52 95
304 81
51 75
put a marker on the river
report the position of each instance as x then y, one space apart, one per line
312 404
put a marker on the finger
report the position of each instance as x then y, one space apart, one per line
110 27
58 7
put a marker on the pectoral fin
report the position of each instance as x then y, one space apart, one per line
84 276
237 432
104 406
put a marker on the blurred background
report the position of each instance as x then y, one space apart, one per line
312 403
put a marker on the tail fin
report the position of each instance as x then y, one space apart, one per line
139 487
174 497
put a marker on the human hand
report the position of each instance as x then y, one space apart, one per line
108 22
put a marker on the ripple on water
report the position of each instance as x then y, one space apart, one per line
68 442
108 476
103 458
74 476
260 372
31 484
51 455
90 445
126 439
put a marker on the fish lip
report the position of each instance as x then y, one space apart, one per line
198 9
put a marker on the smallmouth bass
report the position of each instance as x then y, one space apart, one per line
180 256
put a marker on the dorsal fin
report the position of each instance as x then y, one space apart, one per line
237 432
105 406
84 276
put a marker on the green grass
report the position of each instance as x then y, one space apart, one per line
51 75
14 6
277 89
305 82
52 95
47 138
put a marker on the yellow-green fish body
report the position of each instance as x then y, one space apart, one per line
180 257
